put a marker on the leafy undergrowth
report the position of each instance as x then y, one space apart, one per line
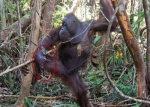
99 90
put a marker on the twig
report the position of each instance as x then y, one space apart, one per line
39 97
6 40
124 69
21 65
16 67
20 30
124 101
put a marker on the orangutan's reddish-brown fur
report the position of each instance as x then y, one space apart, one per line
73 33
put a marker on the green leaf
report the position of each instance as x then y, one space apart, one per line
96 39
5 59
116 73
137 105
66 105
140 18
90 11
98 80
27 102
91 77
34 104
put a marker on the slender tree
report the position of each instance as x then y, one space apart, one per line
26 80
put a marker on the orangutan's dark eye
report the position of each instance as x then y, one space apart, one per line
64 24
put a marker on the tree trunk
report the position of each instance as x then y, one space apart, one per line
99 46
147 20
36 19
74 6
26 80
133 47
47 16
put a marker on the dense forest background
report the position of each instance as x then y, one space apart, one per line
113 79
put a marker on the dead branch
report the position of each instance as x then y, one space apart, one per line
16 67
38 97
14 27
